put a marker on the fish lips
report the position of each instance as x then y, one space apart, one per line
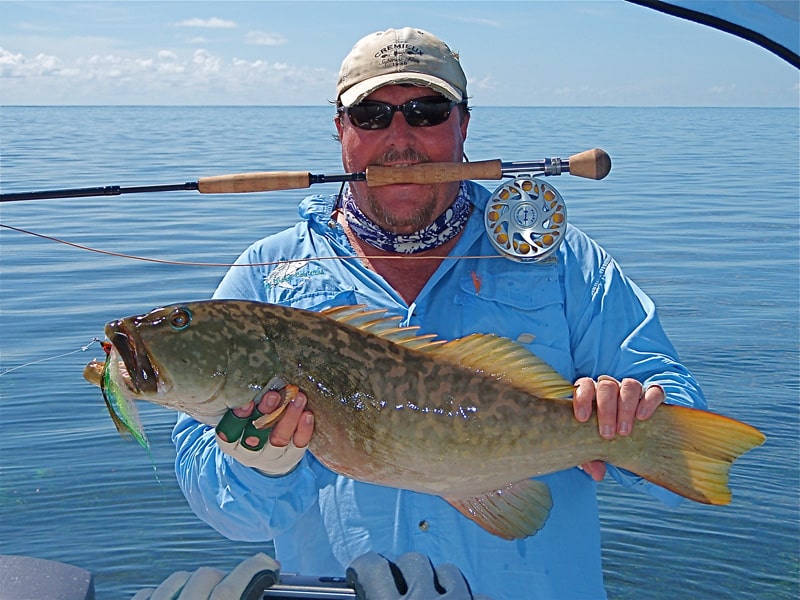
143 375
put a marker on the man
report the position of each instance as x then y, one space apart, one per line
402 99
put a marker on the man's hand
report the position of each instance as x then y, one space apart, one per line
276 448
619 403
410 577
246 582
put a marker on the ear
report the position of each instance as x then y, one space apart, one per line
464 123
337 119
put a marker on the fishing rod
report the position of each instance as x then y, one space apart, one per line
591 164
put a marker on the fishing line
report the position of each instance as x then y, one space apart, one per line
41 360
228 265
84 348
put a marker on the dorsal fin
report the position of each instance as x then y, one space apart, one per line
495 356
504 359
372 321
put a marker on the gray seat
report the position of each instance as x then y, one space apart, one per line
29 578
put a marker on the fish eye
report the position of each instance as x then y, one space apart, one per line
180 319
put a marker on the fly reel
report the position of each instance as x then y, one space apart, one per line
526 219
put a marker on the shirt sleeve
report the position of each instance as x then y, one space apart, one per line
239 502
615 331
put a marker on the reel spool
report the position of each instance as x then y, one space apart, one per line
526 219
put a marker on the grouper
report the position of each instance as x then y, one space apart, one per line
471 420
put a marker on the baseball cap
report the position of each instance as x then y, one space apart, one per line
398 56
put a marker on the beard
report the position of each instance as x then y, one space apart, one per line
391 221
424 214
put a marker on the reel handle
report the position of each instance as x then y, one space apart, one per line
434 172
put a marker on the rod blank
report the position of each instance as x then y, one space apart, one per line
593 164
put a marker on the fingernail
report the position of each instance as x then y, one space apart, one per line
583 414
244 411
624 428
607 431
298 402
271 402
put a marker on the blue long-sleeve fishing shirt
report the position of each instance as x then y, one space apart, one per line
579 313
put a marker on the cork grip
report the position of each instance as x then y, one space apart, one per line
254 182
427 173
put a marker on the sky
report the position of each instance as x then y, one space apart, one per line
522 53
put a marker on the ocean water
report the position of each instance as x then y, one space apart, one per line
700 208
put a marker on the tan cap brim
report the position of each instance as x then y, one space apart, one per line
361 90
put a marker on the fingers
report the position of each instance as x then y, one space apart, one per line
606 393
296 424
630 392
583 399
619 403
274 434
596 469
654 396
616 405
244 411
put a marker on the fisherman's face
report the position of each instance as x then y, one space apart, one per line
403 208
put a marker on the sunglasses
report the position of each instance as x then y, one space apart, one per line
420 112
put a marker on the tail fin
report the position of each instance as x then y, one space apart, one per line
689 452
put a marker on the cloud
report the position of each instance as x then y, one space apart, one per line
264 38
212 23
480 21
165 76
18 66
724 90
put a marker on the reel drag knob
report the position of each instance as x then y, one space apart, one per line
525 219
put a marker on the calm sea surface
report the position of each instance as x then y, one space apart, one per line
701 209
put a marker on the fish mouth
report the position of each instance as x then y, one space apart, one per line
143 375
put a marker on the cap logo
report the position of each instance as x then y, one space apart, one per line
398 54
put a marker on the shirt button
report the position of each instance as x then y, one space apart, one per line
424 525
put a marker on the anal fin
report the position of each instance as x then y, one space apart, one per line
516 511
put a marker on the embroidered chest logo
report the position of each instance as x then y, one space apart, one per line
290 274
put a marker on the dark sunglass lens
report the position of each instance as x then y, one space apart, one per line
422 112
371 115
427 112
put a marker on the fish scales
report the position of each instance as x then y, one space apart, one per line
411 405
470 420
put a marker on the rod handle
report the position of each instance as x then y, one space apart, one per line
254 182
434 172
592 164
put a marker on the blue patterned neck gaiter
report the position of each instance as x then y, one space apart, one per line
447 226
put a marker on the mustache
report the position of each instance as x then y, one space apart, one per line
408 154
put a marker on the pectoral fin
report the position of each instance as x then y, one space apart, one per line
515 511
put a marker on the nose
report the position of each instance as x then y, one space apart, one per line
399 129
